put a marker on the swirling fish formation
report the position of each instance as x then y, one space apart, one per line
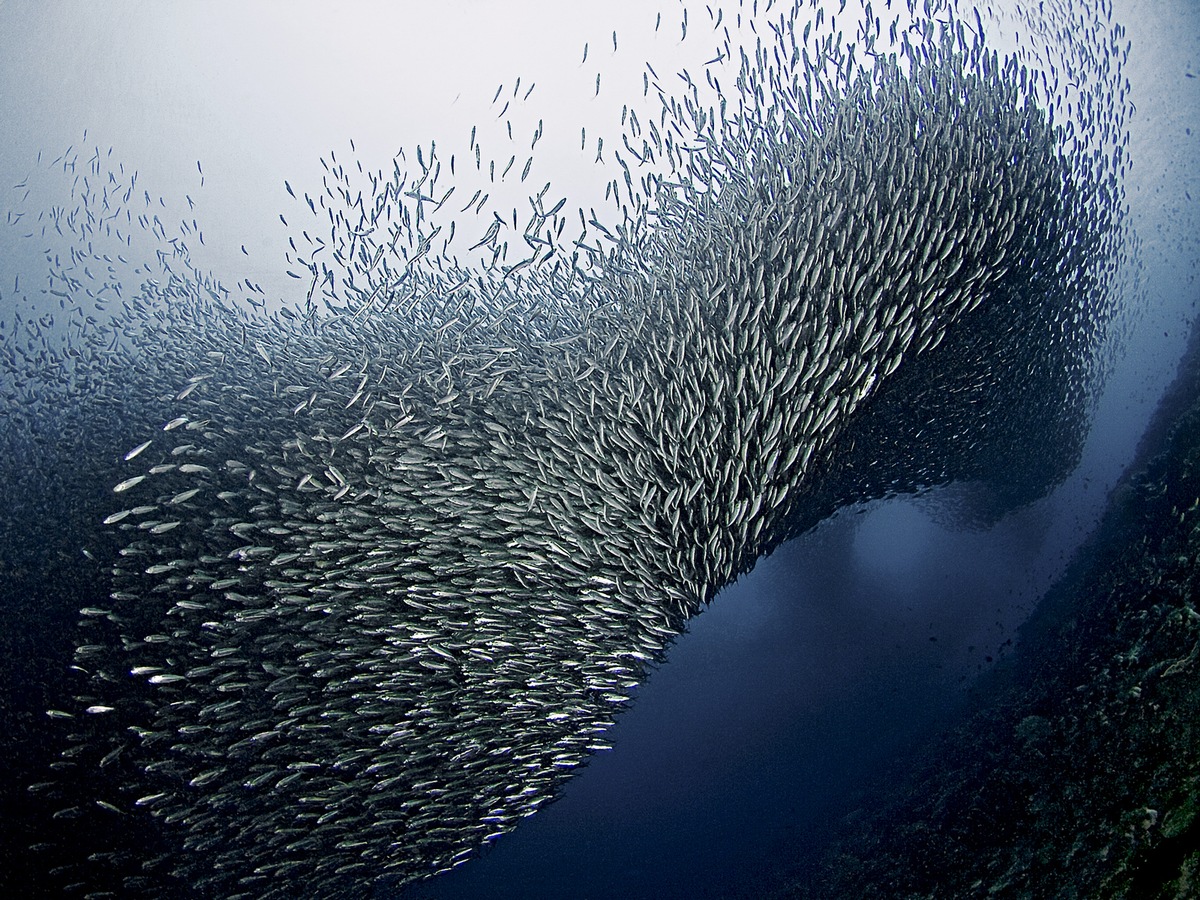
386 571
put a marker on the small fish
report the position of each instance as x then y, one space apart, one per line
129 483
138 449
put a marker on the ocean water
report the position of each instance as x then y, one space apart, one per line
744 746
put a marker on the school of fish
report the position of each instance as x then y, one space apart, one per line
383 567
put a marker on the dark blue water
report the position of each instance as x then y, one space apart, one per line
787 694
